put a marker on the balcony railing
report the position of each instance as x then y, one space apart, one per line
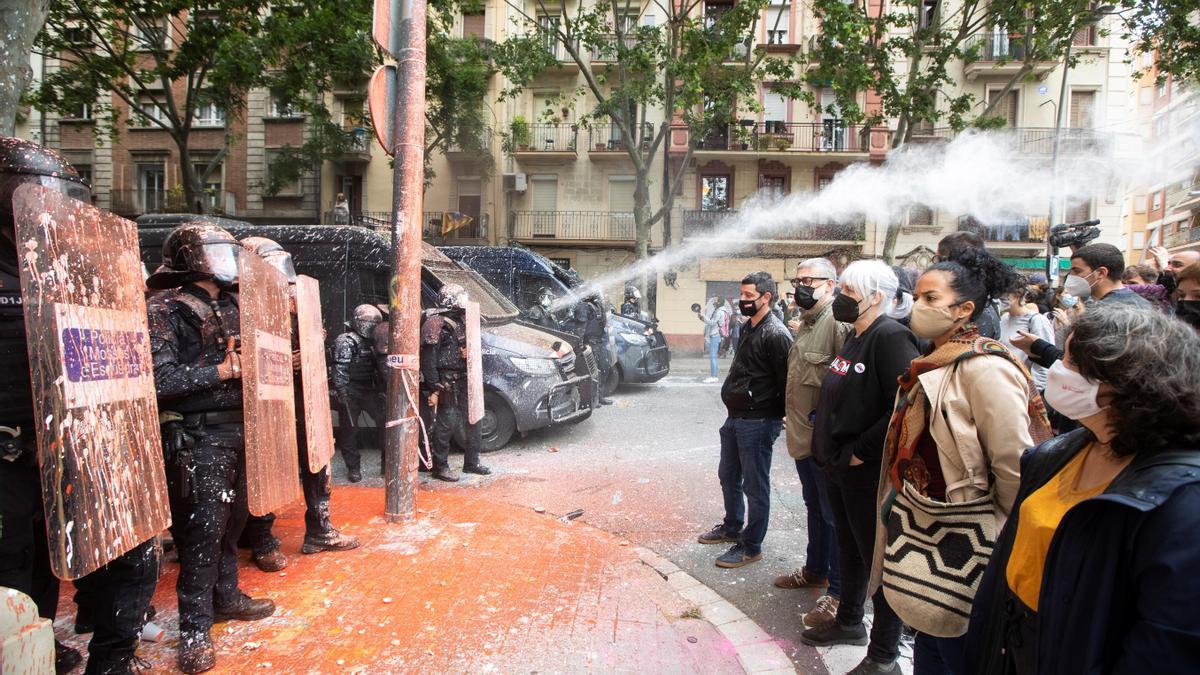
827 136
1031 140
706 224
608 137
1020 230
1183 237
431 224
996 47
137 202
550 138
573 226
485 142
607 50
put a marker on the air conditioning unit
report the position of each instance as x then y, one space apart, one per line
515 182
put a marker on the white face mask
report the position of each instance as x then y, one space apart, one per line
1079 287
1070 393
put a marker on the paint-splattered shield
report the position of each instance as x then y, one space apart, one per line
474 364
98 441
272 467
318 422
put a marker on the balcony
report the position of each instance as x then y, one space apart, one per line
708 224
1030 140
456 153
558 51
999 55
573 227
431 226
132 203
607 141
358 146
830 136
549 143
607 50
1183 238
1027 230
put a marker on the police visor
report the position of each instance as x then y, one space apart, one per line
216 259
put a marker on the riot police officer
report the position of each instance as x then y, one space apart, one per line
120 591
444 382
632 306
319 532
590 321
194 332
355 386
542 313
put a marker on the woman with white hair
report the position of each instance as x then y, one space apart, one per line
855 405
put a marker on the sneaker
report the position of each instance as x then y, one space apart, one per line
834 633
718 535
869 666
196 653
271 560
736 556
824 612
244 608
329 541
710 380
801 578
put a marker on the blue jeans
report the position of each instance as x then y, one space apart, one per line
745 469
821 558
937 655
714 345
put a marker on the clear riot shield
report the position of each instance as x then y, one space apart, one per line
474 364
272 467
318 421
98 440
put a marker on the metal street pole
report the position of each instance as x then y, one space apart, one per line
1051 271
408 134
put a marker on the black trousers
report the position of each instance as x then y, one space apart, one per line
208 512
451 414
346 436
852 494
316 505
116 598
24 551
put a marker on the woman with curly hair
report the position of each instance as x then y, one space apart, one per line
965 412
1096 570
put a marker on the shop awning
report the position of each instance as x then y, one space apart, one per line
1036 263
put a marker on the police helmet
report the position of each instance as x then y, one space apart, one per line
274 254
366 318
24 162
452 296
195 251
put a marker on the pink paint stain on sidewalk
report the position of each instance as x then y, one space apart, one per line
472 585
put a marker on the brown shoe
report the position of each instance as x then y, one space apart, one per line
245 608
824 612
196 653
801 578
330 541
270 561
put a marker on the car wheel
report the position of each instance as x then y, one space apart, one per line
498 425
612 381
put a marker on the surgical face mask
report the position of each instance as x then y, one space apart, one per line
1079 287
1067 300
845 309
928 322
1070 393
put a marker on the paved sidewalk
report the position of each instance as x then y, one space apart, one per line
474 585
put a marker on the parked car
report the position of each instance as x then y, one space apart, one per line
532 379
638 348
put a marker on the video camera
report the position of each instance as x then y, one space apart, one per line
1074 235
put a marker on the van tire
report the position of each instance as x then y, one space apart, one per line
496 428
612 381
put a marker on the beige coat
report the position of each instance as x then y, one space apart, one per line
819 339
979 418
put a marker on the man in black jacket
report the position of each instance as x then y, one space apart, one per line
753 394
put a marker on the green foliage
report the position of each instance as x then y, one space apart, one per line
1168 28
457 73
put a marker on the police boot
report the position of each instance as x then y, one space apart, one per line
477 469
244 608
65 658
354 474
329 540
444 473
270 560
117 661
196 652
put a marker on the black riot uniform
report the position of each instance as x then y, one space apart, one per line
204 444
355 386
119 591
319 532
590 321
632 306
444 374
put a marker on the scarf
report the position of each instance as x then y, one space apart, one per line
908 419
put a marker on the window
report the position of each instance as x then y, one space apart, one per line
282 107
1078 212
149 111
85 171
774 108
714 192
1139 241
779 17
209 115
1145 97
544 203
548 25
149 34
1156 201
1162 89
289 189
470 202
929 13
352 113
213 186
920 215
151 187
77 36
1083 107
1139 203
1147 59
83 111
1005 108
1085 37
620 207
473 25
564 263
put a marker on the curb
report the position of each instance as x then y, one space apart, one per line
757 652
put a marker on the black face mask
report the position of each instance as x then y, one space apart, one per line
845 309
748 307
1188 311
804 297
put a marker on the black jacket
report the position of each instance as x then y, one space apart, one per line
858 394
187 343
757 380
1119 592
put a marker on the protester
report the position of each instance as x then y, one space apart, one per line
1187 303
1170 264
819 338
951 247
1139 275
855 404
966 411
1095 570
1023 317
341 210
1143 280
903 302
716 323
753 394
1096 271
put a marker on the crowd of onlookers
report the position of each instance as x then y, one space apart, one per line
1008 470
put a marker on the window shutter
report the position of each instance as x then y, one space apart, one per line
473 25
1083 105
774 107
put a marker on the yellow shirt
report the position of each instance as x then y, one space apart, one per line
1041 513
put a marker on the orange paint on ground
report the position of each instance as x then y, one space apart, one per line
472 585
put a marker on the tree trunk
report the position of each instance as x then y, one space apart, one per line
20 23
641 220
193 190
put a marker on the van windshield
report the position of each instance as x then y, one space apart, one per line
493 307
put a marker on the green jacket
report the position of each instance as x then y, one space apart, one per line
817 342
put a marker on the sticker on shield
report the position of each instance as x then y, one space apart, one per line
318 422
272 468
98 442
